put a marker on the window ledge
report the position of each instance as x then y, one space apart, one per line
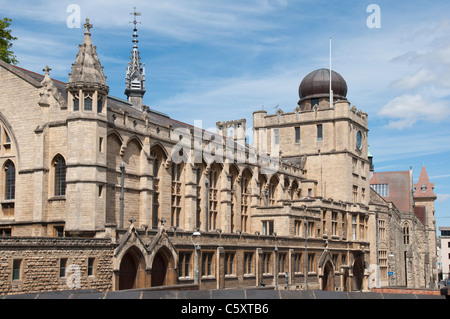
57 198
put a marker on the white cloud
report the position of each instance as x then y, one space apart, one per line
441 198
414 81
407 109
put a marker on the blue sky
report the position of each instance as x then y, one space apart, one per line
222 60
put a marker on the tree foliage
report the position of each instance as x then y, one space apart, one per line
6 42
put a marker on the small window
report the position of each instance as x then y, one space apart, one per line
99 104
76 103
184 264
5 232
90 269
17 267
248 263
207 264
314 102
59 231
276 136
297 135
267 227
319 132
100 144
88 103
229 264
62 267
359 140
10 181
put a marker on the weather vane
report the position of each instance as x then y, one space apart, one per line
135 15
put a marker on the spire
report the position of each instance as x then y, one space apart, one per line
87 71
424 188
135 76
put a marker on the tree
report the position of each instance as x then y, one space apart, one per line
6 42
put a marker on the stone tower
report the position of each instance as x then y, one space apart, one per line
424 198
135 76
86 135
332 138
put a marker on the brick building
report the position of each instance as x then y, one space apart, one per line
160 202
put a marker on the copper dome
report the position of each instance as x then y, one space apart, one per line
317 85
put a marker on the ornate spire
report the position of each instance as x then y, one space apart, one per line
135 76
87 71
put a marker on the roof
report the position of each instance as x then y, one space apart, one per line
421 214
399 188
87 70
114 103
317 84
423 188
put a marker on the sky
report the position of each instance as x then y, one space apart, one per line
222 60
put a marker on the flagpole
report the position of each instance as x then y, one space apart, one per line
331 90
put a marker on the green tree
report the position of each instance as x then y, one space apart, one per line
6 42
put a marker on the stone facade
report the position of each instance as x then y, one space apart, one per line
292 210
49 264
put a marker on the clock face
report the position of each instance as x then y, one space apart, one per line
358 140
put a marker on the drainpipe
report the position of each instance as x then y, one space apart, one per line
122 171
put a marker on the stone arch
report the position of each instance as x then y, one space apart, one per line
294 190
114 144
326 271
163 256
132 269
13 149
328 276
163 270
160 150
132 156
358 274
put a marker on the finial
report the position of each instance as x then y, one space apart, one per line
88 27
47 70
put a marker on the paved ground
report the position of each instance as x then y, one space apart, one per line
236 294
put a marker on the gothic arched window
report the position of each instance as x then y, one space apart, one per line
59 165
406 234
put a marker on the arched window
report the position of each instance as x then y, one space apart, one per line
177 192
158 155
245 199
406 234
214 175
60 176
10 181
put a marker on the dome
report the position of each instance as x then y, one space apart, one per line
317 85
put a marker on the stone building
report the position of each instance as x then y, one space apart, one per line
406 233
177 204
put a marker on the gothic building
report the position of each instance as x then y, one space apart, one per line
153 201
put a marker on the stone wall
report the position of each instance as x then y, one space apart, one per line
36 264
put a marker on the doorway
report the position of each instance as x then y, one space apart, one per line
328 278
159 270
128 272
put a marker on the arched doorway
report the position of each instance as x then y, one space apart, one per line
328 277
358 274
128 271
159 270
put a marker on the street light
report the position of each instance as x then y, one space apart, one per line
197 255
305 259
